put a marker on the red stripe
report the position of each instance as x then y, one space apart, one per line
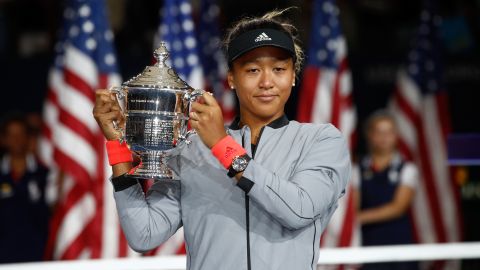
426 167
348 221
122 243
77 127
307 94
98 192
78 84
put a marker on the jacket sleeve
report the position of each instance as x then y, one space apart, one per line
149 220
313 190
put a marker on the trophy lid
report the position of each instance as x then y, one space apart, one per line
160 75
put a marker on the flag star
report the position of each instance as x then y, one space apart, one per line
109 59
327 7
190 42
185 8
163 30
88 27
108 35
84 11
177 45
173 10
187 25
322 55
175 28
192 59
178 62
213 11
73 31
91 44
324 31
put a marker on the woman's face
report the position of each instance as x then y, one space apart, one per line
382 136
263 80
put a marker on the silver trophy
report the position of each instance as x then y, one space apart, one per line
156 104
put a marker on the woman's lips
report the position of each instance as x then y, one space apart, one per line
266 98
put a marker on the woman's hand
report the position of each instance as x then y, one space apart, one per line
106 110
207 120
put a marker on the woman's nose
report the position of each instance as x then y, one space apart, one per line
266 80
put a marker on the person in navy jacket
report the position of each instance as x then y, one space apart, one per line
24 213
385 185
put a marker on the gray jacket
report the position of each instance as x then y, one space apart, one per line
271 219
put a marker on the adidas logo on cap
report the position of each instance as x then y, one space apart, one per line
262 37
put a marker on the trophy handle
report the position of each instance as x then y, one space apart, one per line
191 97
120 95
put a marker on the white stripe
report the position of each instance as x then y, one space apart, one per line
340 48
406 129
348 120
82 65
74 222
345 83
438 159
171 246
114 80
195 79
409 91
79 106
76 148
322 105
422 213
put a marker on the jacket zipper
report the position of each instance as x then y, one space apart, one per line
247 204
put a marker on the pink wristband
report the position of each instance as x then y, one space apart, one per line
118 152
226 150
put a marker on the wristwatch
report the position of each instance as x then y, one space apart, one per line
239 164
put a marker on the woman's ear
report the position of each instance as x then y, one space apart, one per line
230 80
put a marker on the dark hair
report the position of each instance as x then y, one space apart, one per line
14 117
270 20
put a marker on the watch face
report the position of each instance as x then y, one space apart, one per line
239 164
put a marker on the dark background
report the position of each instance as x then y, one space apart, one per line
378 34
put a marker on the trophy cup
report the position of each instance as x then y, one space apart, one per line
156 104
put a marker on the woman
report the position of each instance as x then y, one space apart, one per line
386 188
23 210
254 196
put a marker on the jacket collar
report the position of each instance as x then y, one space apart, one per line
277 123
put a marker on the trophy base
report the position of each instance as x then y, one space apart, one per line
152 166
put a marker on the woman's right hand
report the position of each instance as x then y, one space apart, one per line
106 110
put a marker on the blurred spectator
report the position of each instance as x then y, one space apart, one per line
23 211
385 187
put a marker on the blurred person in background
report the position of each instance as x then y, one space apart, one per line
385 187
23 210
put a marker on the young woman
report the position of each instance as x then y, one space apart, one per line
256 195
386 185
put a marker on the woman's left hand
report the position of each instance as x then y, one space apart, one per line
207 120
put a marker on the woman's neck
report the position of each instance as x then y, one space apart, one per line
381 160
18 164
255 124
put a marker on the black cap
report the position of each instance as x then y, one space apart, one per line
258 38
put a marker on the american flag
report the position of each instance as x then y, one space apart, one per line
419 105
326 97
213 60
85 224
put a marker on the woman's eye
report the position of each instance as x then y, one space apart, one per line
277 69
252 70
